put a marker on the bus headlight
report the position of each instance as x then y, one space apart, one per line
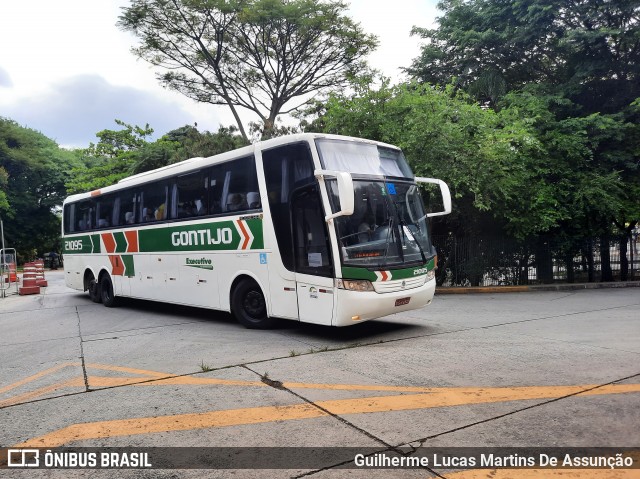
431 274
354 284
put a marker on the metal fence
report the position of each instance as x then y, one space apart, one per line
489 261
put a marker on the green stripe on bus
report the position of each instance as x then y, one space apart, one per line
255 225
222 235
81 244
351 272
215 236
129 269
95 244
121 242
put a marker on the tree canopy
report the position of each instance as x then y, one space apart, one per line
125 152
588 49
33 172
266 57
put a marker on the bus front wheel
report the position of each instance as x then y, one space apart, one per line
249 306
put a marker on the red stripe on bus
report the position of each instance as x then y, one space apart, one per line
246 235
132 240
117 266
109 242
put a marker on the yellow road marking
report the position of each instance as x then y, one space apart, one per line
255 415
156 378
180 422
447 397
102 381
29 379
75 382
123 369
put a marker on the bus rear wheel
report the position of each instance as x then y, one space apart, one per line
249 306
106 292
94 290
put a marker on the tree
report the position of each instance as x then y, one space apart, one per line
125 152
491 161
184 143
588 49
33 171
111 159
114 143
581 60
267 57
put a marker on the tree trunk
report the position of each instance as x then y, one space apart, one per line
624 262
588 256
568 261
544 261
605 258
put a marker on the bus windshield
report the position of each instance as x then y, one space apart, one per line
362 158
388 227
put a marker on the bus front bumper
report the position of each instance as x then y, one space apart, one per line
357 306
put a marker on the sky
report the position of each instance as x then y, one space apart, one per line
67 71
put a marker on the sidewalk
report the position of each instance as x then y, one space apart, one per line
536 287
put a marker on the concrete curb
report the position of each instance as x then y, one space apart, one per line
537 287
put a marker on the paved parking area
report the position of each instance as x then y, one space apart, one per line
538 369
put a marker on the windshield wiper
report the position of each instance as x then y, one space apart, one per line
389 234
403 225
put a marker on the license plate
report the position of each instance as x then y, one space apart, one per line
402 301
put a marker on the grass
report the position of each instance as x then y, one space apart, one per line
205 367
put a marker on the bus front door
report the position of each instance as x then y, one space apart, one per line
314 270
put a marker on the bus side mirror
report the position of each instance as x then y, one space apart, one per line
444 190
345 191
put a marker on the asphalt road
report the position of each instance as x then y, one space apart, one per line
539 369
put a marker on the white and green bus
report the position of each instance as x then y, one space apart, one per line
318 228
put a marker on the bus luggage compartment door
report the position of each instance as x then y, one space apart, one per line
315 299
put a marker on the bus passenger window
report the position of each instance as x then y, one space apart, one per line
236 202
160 212
146 215
189 195
253 199
154 198
85 215
126 208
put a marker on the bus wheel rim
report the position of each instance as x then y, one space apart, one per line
254 304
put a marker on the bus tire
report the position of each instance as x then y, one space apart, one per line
106 292
249 306
94 291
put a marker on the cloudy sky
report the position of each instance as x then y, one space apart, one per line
67 70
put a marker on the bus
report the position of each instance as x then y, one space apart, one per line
317 228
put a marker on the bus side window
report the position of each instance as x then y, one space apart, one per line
154 199
240 180
69 218
85 212
189 195
127 208
104 208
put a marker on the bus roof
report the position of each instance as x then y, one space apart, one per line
200 162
